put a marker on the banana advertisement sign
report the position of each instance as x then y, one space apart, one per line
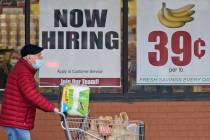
173 42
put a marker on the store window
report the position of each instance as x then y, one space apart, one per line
12 35
12 38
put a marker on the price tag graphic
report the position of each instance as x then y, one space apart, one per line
185 50
173 42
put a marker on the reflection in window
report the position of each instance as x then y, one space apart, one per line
12 35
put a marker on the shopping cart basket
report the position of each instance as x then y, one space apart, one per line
102 128
87 128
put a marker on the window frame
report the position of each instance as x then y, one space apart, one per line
125 95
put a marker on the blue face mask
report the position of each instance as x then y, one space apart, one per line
38 63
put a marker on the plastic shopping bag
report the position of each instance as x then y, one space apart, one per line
75 100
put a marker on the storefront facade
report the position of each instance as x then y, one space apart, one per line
170 94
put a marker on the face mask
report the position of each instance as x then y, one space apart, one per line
13 62
38 63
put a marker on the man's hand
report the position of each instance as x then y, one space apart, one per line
56 110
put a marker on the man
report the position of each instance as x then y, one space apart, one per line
21 97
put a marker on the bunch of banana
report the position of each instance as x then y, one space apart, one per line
175 18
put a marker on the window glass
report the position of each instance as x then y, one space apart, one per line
12 36
34 38
133 87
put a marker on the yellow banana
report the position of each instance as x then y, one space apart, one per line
167 23
182 9
183 14
170 17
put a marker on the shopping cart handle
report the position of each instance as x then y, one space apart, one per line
66 127
61 114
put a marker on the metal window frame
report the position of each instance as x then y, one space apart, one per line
125 96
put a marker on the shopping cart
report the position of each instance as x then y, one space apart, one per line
87 128
102 128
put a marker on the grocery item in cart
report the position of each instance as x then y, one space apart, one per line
105 126
75 100
93 130
122 128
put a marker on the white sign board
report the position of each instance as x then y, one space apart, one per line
173 42
82 42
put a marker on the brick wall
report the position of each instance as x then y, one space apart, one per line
163 120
